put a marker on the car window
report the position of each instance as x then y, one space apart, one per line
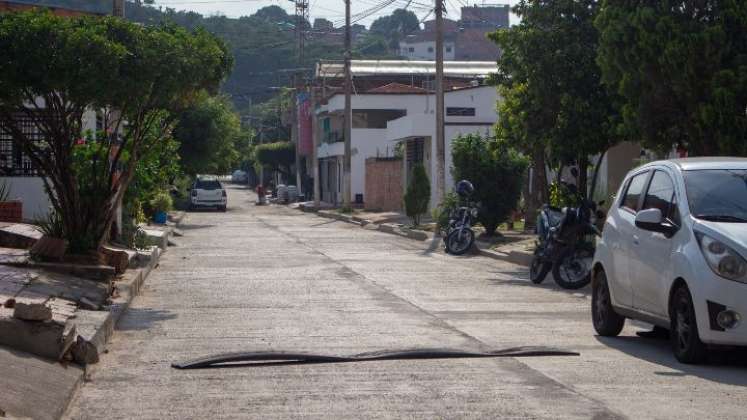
718 195
634 191
207 185
660 195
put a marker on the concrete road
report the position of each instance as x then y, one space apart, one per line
271 278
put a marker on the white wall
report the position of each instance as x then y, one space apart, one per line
421 50
30 190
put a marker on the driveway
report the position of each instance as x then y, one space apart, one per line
272 278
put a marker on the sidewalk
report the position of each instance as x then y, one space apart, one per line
41 379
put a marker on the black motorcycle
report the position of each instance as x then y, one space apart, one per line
566 244
459 235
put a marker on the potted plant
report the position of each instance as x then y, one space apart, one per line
161 203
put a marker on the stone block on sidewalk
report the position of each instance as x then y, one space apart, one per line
18 235
32 311
117 257
48 248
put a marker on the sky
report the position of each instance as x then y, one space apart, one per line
333 10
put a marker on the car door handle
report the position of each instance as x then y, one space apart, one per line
635 239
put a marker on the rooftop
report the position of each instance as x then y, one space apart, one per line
465 69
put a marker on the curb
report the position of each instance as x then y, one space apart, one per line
391 228
522 258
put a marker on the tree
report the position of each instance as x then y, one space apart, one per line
496 172
396 26
210 136
279 156
135 75
418 194
555 104
681 69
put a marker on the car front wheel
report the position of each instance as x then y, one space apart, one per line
683 335
607 322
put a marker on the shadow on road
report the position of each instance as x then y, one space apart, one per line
726 366
143 319
521 278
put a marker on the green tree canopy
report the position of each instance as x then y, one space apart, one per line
396 26
555 104
496 172
128 72
681 69
278 156
210 136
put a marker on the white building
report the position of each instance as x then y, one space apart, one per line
468 111
425 49
394 114
22 179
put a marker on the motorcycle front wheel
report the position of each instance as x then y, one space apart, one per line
538 269
572 269
458 246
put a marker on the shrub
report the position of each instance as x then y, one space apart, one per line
442 212
418 194
161 202
497 173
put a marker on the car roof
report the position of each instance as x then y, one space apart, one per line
700 163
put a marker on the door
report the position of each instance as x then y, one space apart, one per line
620 238
650 259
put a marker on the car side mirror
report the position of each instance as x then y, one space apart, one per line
653 220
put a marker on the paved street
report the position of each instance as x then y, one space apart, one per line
272 278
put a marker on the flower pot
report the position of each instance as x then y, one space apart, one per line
160 217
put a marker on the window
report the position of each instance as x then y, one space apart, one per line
430 49
448 49
660 195
634 191
204 184
411 49
717 194
460 112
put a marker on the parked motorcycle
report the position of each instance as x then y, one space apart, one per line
566 244
459 235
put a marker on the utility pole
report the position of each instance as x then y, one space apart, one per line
315 143
348 120
302 15
440 142
118 8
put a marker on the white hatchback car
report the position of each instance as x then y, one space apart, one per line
208 192
673 252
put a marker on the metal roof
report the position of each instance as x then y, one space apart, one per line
465 69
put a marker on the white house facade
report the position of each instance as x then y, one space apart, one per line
468 111
426 50
381 121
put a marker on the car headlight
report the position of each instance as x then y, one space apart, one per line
723 260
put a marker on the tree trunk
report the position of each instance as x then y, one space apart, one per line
595 177
583 169
538 196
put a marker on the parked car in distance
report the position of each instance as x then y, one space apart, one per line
239 177
673 252
208 192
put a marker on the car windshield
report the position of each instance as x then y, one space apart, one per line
718 195
207 185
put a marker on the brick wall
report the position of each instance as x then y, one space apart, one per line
383 184
11 211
